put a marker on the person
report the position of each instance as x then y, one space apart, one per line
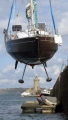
40 100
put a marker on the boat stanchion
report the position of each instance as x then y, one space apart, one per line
16 63
48 79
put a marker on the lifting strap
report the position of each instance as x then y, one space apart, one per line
52 17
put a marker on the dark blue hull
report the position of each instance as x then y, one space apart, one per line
31 50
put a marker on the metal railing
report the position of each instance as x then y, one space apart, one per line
41 30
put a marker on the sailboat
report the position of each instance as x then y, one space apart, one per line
35 45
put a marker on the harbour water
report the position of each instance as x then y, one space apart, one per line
10 109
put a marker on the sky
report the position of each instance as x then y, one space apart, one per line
8 75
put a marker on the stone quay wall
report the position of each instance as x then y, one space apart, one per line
60 89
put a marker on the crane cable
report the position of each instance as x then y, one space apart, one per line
53 20
10 14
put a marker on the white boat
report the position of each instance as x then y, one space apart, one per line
45 92
24 94
34 45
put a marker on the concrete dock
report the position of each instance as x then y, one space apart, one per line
35 107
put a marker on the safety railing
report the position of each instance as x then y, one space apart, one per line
41 30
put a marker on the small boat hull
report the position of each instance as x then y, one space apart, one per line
44 94
32 50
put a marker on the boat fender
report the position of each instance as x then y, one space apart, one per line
13 36
58 39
